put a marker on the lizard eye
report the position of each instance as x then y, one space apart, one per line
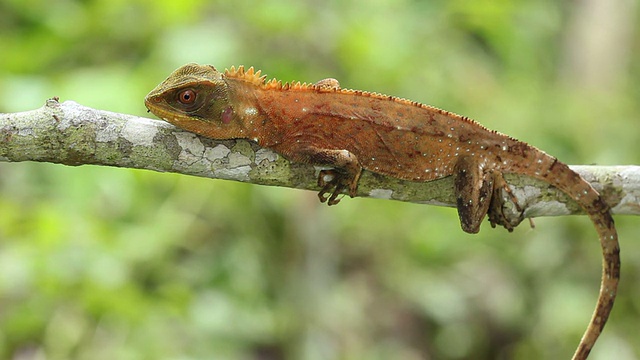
187 97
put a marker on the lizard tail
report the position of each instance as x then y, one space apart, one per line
601 217
609 283
599 212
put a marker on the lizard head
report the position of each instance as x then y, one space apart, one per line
195 98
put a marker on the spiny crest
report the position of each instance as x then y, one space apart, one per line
252 76
273 84
249 75
295 86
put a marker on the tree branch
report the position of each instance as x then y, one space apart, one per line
72 134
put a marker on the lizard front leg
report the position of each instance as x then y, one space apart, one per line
344 175
477 192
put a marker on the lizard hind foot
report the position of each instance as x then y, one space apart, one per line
496 213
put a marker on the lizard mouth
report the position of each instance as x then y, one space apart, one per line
181 120
153 106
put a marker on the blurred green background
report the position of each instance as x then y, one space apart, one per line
108 263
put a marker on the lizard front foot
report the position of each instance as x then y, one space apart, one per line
337 183
344 175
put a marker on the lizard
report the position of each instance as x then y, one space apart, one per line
352 130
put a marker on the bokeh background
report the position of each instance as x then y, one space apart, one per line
108 263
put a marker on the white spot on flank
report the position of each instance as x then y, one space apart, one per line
251 111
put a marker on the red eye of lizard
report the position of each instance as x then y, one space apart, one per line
187 97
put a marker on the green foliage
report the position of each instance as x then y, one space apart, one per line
106 263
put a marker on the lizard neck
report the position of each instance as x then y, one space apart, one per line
249 110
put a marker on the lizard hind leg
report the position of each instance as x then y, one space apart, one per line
478 193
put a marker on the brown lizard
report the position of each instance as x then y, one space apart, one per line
352 130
